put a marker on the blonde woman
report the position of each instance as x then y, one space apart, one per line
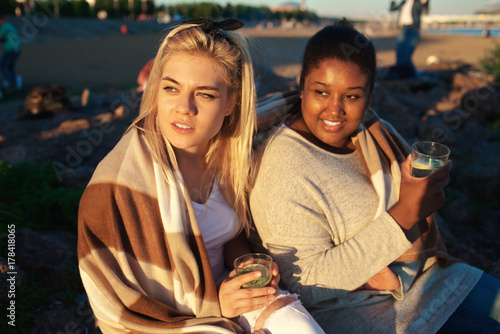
164 215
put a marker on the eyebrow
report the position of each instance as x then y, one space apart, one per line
327 85
167 78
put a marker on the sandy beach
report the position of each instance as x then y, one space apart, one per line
112 61
87 53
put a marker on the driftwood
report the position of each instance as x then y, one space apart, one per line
44 101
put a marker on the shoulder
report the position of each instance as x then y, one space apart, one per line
122 187
396 136
279 153
129 163
372 123
287 163
285 147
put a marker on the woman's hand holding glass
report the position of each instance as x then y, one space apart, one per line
419 197
235 299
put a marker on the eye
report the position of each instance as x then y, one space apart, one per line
206 96
353 97
170 89
321 93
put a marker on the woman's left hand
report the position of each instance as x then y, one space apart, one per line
235 300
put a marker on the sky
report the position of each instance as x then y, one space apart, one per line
353 8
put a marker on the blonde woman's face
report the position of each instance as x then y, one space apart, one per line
192 101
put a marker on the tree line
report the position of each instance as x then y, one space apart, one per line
127 8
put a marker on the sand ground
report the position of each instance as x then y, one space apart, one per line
113 61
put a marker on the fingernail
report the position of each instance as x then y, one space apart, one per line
271 290
257 273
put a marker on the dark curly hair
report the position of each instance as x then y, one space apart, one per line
341 42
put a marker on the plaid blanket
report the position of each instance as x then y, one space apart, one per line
141 254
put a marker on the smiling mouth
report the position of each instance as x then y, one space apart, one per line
330 123
182 126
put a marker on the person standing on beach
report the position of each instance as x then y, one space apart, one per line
11 51
410 12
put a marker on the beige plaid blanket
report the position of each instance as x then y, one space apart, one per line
141 254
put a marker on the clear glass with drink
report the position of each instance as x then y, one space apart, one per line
427 156
255 262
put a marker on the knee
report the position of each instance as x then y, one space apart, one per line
274 306
292 318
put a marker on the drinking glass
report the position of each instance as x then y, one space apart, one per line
427 156
255 262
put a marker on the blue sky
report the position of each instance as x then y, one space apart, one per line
361 7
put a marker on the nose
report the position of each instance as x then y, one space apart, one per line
186 105
336 105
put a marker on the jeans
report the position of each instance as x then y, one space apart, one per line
7 64
406 43
479 312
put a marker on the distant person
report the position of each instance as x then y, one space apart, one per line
124 29
487 31
22 8
410 12
11 50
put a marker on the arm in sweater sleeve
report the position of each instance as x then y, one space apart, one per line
303 230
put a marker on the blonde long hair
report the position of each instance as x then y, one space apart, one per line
230 152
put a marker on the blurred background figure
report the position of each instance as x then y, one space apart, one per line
11 50
124 29
22 8
487 31
410 12
142 78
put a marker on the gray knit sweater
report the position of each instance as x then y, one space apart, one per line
314 213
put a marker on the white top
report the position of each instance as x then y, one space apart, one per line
218 225
405 17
